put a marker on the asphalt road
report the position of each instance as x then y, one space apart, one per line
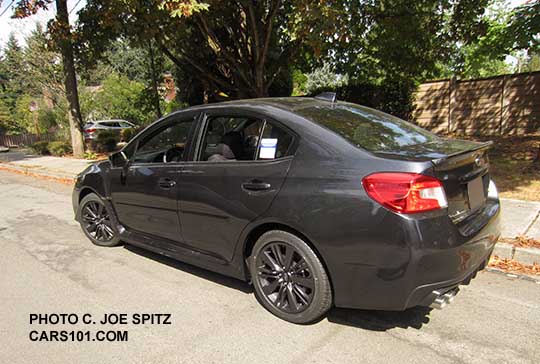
48 266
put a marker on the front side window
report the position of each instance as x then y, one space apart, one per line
243 138
165 145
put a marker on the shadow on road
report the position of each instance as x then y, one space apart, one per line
380 320
191 269
364 319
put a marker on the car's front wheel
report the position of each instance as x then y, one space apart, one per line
95 220
289 279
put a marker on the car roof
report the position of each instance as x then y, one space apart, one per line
108 120
290 104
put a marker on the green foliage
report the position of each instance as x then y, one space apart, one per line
6 121
59 148
90 155
299 83
174 105
183 8
41 148
24 118
106 141
117 98
12 72
323 78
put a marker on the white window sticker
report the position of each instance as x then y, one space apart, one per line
268 148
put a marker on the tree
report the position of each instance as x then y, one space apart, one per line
62 38
12 72
233 49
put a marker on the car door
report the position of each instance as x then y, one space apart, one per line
219 196
145 193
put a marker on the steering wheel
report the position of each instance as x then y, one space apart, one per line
173 154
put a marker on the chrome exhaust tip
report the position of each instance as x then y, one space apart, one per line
443 299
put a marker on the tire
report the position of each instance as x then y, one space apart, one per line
294 286
94 217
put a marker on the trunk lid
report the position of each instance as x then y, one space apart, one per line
463 168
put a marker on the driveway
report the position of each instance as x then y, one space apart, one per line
48 266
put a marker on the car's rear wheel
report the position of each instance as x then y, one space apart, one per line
289 279
95 220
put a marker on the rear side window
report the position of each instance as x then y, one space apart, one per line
275 142
367 128
243 138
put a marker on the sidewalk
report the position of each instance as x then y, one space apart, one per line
518 218
61 169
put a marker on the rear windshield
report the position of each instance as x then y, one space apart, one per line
367 128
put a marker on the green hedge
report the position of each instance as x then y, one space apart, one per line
59 148
41 148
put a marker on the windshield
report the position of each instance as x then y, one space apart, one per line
367 128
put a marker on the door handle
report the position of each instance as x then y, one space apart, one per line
166 183
256 185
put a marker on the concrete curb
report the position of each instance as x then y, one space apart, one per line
514 275
527 256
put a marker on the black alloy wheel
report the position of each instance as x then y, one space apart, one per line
288 277
285 277
96 221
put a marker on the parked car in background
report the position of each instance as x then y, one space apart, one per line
316 202
92 129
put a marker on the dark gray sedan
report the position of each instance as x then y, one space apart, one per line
315 202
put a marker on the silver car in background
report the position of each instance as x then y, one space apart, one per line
93 128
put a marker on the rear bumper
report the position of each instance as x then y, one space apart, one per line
432 255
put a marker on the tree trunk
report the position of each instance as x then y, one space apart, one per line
70 79
154 80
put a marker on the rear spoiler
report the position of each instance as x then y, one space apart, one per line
445 160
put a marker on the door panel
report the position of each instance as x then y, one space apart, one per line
145 194
218 200
145 200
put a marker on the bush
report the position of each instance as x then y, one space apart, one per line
59 148
106 141
41 148
90 155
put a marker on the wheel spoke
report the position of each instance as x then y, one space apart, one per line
271 288
304 297
276 251
291 299
299 266
91 211
280 299
303 281
288 257
91 227
270 261
108 230
267 273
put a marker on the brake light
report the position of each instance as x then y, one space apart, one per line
91 130
406 193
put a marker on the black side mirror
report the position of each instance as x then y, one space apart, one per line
118 160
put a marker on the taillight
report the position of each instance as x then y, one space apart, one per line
406 193
91 130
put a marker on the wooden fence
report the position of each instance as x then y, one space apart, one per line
502 105
24 139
